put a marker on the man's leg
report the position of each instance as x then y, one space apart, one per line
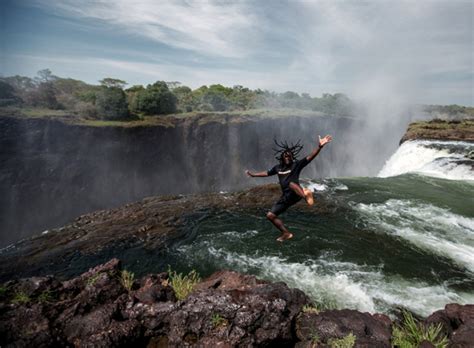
305 193
285 234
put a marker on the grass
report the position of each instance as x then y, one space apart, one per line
93 279
127 279
45 297
315 339
310 309
21 298
345 342
3 291
182 284
411 333
218 321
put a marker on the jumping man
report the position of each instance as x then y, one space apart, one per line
288 171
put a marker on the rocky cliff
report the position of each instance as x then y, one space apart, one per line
52 171
457 130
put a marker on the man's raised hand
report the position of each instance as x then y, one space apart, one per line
325 140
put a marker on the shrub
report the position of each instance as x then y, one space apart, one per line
310 309
21 298
45 297
93 279
345 342
411 333
111 103
156 99
183 285
127 279
218 321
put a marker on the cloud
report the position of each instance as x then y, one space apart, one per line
306 46
214 28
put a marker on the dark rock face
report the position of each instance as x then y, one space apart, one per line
52 172
228 309
94 309
370 330
458 324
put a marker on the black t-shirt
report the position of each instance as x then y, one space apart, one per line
287 174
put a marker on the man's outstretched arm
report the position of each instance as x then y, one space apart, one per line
257 174
321 144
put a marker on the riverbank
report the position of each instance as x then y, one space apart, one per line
107 307
456 130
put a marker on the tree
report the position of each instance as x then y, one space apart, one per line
45 75
7 94
184 96
111 103
111 82
156 99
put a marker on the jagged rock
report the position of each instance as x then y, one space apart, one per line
94 310
155 288
370 330
230 309
227 309
458 323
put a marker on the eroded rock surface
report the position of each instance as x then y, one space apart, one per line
458 323
147 225
95 309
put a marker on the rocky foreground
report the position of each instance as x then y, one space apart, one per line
227 309
454 130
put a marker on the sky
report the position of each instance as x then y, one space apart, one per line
417 51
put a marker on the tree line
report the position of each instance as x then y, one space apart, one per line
111 99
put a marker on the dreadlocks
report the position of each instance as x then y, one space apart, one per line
283 148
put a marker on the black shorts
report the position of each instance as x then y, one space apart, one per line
286 200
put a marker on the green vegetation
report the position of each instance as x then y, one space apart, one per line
345 342
310 309
449 110
3 291
93 279
218 321
441 129
156 99
127 279
411 333
315 339
45 297
183 285
21 298
109 100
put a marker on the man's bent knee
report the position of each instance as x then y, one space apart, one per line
271 216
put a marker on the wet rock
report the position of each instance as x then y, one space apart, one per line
370 330
458 323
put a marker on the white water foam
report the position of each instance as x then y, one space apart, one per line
431 228
313 186
433 158
345 284
320 187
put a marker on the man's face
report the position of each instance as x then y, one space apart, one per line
287 158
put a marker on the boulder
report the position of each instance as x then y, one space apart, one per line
370 330
458 323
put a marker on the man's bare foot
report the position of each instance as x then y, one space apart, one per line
285 236
308 196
